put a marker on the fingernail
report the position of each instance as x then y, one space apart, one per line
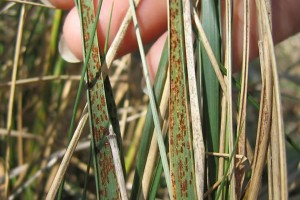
65 51
46 2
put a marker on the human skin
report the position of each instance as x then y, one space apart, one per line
152 17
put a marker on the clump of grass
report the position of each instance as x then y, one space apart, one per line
193 122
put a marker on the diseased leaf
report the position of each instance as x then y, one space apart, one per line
102 109
181 151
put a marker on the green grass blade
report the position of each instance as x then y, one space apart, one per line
157 172
211 97
156 180
181 146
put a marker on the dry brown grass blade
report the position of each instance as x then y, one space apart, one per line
270 111
278 142
273 161
15 133
241 122
43 79
20 128
263 132
30 3
12 97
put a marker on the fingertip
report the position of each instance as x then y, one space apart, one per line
65 51
154 55
62 4
72 34
151 26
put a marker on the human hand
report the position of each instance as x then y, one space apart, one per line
152 17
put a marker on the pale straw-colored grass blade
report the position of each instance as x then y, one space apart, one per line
270 112
198 142
112 138
30 3
241 121
11 99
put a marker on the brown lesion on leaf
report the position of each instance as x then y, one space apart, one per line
106 165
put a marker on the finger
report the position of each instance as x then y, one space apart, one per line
152 18
62 4
285 22
154 55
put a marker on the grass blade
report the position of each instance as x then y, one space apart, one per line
101 107
198 143
211 97
11 99
241 121
181 152
265 113
160 140
228 66
117 161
